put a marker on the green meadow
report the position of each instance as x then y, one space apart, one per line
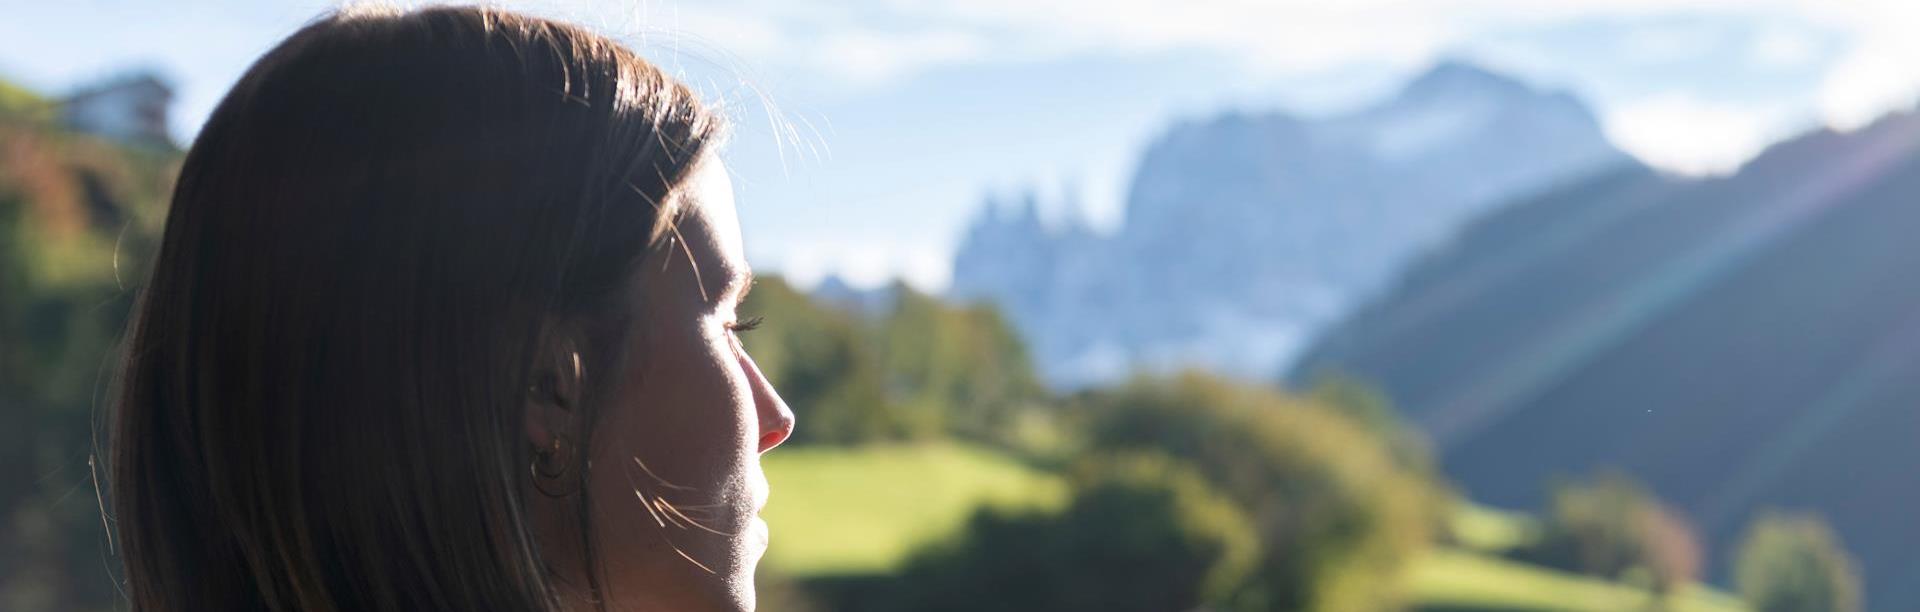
864 510
1461 580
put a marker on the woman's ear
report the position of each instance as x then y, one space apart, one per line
553 419
554 395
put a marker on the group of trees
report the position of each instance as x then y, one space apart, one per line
1613 528
915 370
1142 533
1193 492
78 218
1185 491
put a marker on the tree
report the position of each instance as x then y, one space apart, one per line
1336 514
818 359
1795 563
1614 529
919 370
964 362
1363 403
1673 554
1143 533
79 219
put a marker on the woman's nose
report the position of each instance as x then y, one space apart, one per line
776 419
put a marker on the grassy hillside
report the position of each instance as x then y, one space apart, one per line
840 511
1490 530
1736 344
1455 580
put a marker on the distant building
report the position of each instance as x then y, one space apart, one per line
131 108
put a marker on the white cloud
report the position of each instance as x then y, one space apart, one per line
1686 135
1869 82
1882 70
1785 48
872 41
869 42
865 41
868 56
743 34
926 270
1668 43
876 39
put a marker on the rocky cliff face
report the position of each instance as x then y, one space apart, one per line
1244 235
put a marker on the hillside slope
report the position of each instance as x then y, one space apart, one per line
1737 343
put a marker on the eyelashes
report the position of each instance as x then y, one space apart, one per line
750 324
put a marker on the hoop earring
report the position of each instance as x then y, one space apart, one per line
554 465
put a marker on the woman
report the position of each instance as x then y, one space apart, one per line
444 319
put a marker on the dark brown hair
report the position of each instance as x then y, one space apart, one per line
384 228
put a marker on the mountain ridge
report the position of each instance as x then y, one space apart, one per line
1301 218
1737 343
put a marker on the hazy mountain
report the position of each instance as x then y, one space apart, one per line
1737 343
1245 234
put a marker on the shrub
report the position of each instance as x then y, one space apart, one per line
1336 513
1614 529
1794 563
1142 533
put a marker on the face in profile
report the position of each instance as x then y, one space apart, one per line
676 482
383 240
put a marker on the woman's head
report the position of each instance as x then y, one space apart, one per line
443 319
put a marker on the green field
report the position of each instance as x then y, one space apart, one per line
863 510
1491 530
1458 580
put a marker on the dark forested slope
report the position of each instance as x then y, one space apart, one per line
1737 343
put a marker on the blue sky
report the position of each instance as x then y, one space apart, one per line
870 131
